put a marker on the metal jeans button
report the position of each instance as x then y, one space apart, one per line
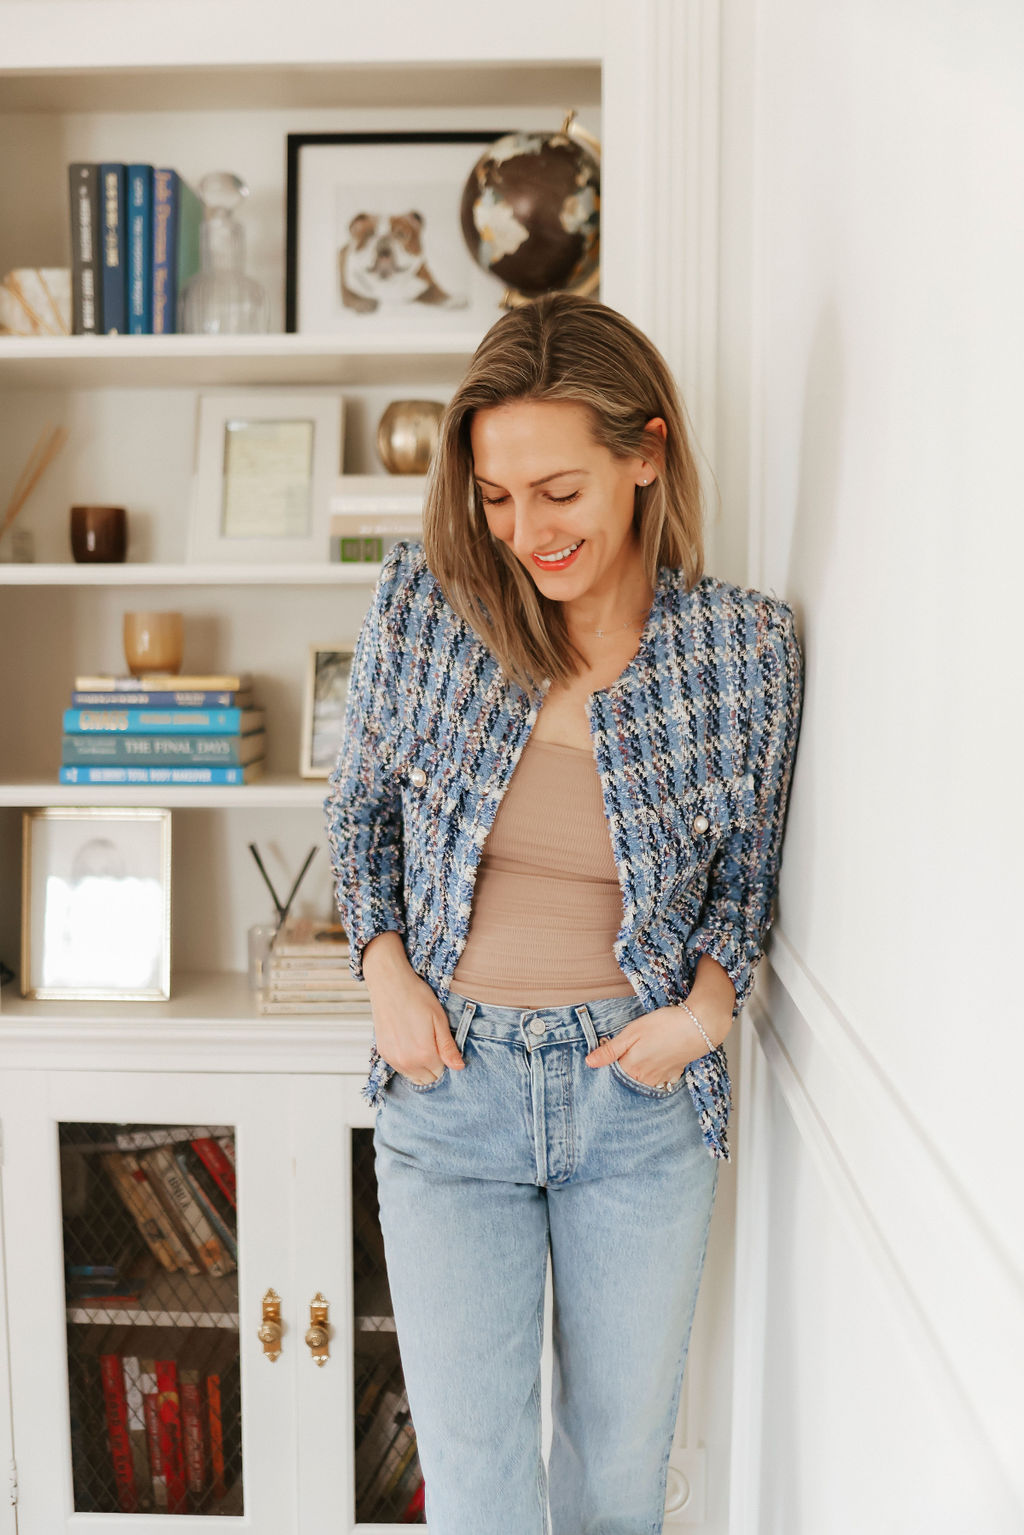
537 1026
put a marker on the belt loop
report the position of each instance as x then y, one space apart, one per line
583 1014
464 1021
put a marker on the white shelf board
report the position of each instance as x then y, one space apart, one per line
68 573
161 362
199 998
274 791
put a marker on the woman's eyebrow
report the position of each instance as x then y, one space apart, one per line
533 483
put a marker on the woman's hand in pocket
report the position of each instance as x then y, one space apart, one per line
410 1025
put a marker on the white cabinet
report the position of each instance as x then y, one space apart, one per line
306 1227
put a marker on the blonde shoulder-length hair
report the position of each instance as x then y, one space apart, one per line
559 347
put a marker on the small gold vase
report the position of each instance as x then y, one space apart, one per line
407 435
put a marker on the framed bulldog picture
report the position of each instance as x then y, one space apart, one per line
374 239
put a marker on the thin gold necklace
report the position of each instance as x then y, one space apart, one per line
631 623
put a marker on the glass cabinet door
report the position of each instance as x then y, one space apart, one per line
150 1238
358 1466
148 1230
389 1486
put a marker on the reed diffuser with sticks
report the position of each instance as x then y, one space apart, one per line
48 445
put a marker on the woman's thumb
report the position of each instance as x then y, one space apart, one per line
447 1049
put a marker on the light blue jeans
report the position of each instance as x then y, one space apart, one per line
477 1174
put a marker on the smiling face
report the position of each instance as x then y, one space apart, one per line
547 486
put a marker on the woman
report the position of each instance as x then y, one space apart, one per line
556 826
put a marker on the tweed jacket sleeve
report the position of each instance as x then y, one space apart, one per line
739 906
363 807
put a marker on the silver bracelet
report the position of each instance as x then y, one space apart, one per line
697 1021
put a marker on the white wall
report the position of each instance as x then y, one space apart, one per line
869 422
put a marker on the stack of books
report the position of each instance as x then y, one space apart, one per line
134 246
162 729
307 971
371 512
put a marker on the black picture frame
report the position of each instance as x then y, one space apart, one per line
476 138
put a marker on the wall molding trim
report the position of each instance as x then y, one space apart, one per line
661 76
955 1293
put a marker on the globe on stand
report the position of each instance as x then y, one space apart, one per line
530 212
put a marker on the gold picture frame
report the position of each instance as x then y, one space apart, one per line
96 903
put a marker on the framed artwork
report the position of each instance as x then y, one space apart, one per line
96 903
374 236
323 707
267 464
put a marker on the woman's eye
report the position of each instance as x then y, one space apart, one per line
498 500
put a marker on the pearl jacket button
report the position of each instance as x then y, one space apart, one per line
700 824
418 777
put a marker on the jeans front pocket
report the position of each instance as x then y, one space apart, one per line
422 1087
643 1089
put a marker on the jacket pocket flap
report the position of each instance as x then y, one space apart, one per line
716 808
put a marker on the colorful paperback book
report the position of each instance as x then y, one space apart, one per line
114 245
116 749
165 721
86 249
118 1437
340 1006
168 776
207 1206
183 698
172 1452
146 681
299 937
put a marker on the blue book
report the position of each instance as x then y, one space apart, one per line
161 775
175 722
139 180
124 748
114 243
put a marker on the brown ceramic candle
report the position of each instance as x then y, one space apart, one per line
99 534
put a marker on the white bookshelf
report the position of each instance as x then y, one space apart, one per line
219 85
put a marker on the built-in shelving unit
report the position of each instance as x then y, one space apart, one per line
220 86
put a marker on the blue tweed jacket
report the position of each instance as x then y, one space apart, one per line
694 744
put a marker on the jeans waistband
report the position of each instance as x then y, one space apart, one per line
561 1023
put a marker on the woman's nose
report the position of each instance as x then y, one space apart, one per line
531 530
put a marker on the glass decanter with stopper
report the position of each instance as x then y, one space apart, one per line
220 300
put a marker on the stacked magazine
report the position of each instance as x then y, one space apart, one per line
307 971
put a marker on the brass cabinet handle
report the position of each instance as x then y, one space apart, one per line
317 1332
270 1329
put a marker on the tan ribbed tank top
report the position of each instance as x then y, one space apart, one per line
546 902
